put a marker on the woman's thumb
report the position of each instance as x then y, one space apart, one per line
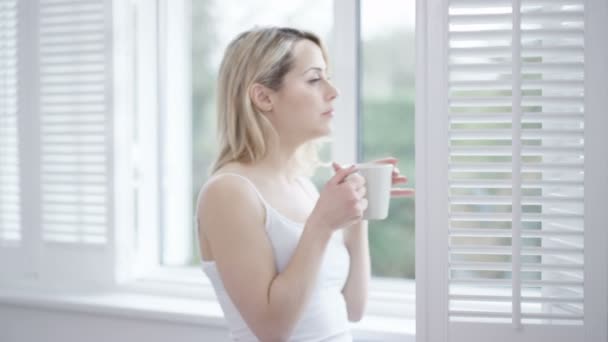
342 173
336 166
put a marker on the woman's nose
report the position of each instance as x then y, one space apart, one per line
332 92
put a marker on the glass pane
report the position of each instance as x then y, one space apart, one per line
214 24
387 123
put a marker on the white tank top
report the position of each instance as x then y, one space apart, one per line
324 317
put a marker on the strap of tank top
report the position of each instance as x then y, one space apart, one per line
255 188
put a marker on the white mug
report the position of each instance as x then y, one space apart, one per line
378 181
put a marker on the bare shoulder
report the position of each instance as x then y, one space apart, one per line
219 199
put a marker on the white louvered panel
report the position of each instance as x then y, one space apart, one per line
480 150
547 68
480 78
10 227
74 122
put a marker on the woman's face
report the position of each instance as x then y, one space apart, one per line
302 109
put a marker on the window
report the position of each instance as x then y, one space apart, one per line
386 123
216 22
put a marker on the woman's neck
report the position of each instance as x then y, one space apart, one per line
278 164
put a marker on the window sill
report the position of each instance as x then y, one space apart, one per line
128 302
390 316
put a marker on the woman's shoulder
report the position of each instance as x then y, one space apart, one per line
228 188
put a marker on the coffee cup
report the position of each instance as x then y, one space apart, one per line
378 182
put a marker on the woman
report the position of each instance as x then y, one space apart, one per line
286 262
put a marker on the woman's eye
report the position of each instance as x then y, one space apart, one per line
314 80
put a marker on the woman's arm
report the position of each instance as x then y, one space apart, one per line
356 240
355 290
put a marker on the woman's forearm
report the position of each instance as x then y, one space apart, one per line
357 284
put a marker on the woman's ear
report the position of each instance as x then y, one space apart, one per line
260 96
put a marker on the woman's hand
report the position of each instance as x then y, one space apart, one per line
397 178
341 201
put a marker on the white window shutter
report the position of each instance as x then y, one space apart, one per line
76 137
10 221
508 105
66 147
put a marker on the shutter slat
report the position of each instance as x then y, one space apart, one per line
481 4
478 134
506 101
500 34
480 118
485 314
551 3
479 216
73 92
484 183
526 200
524 299
505 266
481 35
480 85
526 67
476 19
459 232
506 167
501 250
96 50
553 16
507 282
576 317
56 14
565 49
73 201
67 3
552 50
506 151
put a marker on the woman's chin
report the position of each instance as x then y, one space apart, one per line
326 131
321 132
328 128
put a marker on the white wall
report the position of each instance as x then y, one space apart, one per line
28 324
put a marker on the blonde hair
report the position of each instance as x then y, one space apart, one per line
264 56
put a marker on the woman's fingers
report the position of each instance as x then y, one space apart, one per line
363 205
402 192
399 180
361 191
356 180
